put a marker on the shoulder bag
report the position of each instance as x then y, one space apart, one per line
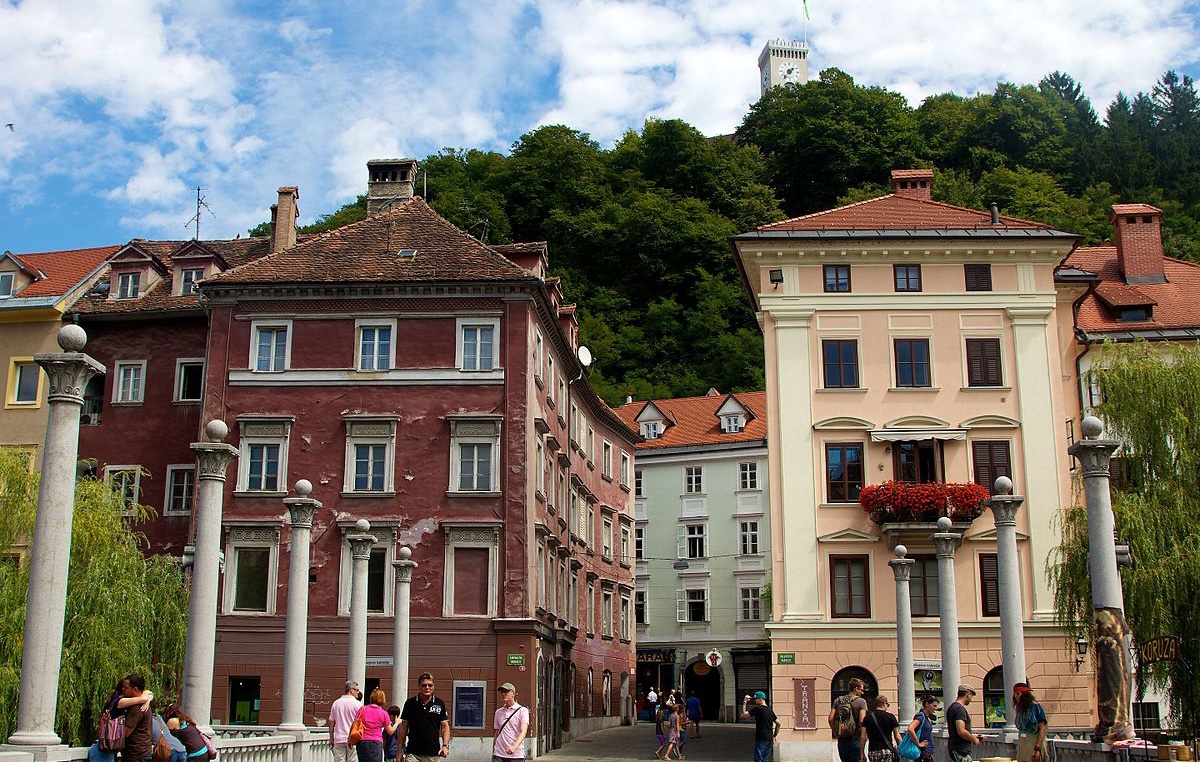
910 749
357 728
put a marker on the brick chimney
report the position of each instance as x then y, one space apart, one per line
283 219
389 181
1138 234
913 183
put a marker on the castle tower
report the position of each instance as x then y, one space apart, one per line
783 62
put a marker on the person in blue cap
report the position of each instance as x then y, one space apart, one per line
766 726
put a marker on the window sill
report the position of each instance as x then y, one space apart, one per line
389 493
626 641
606 637
915 389
625 565
606 477
624 487
986 389
607 557
127 403
23 406
176 514
248 493
841 390
562 423
550 402
538 380
186 402
454 493
591 634
841 505
542 498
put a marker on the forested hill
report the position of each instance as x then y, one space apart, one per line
639 232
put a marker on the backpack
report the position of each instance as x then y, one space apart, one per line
112 732
844 723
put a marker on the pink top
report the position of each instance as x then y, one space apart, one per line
508 736
375 719
341 717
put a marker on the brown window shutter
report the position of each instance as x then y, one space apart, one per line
989 584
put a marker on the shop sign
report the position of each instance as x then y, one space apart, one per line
516 660
656 654
1162 648
785 658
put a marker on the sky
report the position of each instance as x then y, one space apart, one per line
121 108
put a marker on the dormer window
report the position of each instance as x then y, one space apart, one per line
1134 314
127 285
733 424
651 429
188 278
6 285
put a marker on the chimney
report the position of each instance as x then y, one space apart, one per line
1138 234
283 219
389 181
913 183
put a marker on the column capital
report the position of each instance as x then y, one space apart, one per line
1094 455
902 568
946 543
361 541
214 458
1033 314
1005 507
301 511
68 374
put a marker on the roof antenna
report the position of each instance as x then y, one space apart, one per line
201 206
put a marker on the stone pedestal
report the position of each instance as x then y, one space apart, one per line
361 542
946 543
295 639
400 644
1012 624
50 552
906 697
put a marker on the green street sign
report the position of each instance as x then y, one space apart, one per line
516 660
782 658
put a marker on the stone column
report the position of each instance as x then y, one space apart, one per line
906 694
295 639
1110 646
214 457
1008 575
946 543
361 542
50 554
400 643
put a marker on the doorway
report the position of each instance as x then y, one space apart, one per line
705 682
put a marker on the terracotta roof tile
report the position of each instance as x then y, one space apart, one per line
1120 295
895 212
1175 302
1135 209
912 174
367 251
64 270
693 420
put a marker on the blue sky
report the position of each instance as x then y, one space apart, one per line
121 107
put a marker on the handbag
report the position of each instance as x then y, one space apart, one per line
162 750
909 748
357 728
212 749
112 729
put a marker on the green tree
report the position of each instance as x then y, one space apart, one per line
125 612
1152 406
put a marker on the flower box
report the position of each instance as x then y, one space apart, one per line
898 502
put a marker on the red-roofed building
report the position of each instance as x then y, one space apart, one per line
35 290
703 547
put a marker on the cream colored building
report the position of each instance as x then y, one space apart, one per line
911 340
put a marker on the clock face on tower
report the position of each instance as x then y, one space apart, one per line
789 72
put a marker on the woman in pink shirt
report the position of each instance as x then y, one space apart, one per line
375 719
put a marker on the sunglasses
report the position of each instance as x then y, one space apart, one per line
426 685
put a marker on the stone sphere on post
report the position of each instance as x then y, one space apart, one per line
72 338
216 430
362 525
901 551
405 552
944 524
1092 427
1003 485
303 487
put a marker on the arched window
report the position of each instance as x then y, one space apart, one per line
995 698
840 685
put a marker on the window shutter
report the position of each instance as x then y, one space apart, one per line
680 605
989 584
991 461
991 362
681 543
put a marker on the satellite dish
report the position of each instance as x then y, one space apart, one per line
585 356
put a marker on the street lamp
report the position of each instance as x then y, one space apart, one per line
1081 649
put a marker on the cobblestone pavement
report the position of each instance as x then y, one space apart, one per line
718 743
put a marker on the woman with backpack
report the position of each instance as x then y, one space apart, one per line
920 730
1031 721
115 707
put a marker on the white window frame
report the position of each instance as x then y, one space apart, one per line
651 429
589 531
638 486
118 471
639 543
606 458
138 394
256 329
748 475
169 492
470 535
693 480
626 461
539 353
129 285
750 603
682 598
250 537
263 431
374 323
15 367
483 321
539 462
625 545
8 282
606 539
474 430
641 602
591 608
733 424
606 612
551 390
749 538
625 617
385 539
184 282
694 535
370 432
179 366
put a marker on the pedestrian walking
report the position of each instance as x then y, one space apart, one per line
341 717
958 720
511 723
883 732
391 735
846 718
660 733
921 728
376 720
681 718
766 726
694 712
1031 721
424 724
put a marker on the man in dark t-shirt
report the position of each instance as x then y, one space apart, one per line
137 724
883 732
958 722
424 723
766 725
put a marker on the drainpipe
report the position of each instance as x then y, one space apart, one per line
1081 336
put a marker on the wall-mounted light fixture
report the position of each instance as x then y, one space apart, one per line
776 277
681 565
1081 649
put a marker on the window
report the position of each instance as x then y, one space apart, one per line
127 285
637 483
748 538
912 363
625 545
251 568
189 380
606 459
188 278
983 362
272 348
639 539
850 586
539 355
475 442
1145 715
1134 314
733 424
469 584
375 346
991 461
625 463
923 586
262 462
908 277
550 378
606 539
130 380
837 278
591 610
843 472
978 277
841 363
989 585
181 486
606 608
93 402
747 476
588 538
651 429
692 605
477 344
6 285
370 456
749 604
24 383
125 481
381 583
693 480
244 700
696 536
915 462
625 630
640 613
